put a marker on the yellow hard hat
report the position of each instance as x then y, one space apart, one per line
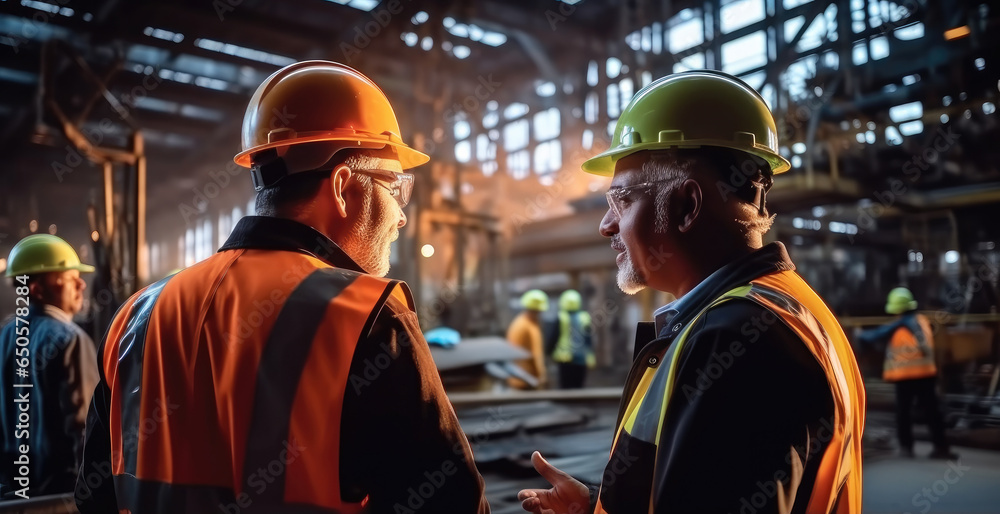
900 300
690 110
318 102
570 300
535 300
43 253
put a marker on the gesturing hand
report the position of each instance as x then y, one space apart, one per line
567 495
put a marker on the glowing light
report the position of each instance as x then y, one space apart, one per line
427 250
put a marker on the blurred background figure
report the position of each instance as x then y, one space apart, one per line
526 332
909 364
571 336
62 368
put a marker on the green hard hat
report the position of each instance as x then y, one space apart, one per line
43 253
570 300
900 300
689 110
535 300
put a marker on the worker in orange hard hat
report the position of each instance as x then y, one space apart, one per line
744 394
284 373
48 370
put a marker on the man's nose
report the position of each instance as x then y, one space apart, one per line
609 224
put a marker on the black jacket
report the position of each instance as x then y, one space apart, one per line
733 419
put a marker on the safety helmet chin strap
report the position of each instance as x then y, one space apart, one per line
267 169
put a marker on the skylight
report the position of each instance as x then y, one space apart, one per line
243 52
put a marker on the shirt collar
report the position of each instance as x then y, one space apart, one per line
770 258
55 312
270 233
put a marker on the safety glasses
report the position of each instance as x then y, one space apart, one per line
621 197
400 185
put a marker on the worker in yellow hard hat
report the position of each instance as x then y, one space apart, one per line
288 346
745 388
909 364
572 341
48 368
525 332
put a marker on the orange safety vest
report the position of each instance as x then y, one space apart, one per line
910 354
227 382
801 309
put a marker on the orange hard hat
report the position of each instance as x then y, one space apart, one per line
325 103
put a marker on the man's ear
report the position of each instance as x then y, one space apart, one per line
689 202
339 178
36 289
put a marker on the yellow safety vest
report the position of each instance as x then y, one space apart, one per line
801 309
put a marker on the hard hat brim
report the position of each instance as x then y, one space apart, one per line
603 164
82 268
408 157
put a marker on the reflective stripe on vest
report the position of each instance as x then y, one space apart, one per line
207 416
793 302
910 354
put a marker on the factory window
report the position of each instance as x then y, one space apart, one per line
657 34
768 93
547 124
880 48
515 110
154 258
490 119
798 73
611 127
588 139
911 128
613 67
737 14
755 80
251 208
646 40
548 157
907 111
745 53
462 130
634 40
892 136
486 150
515 135
691 62
788 4
859 55
225 228
591 107
188 247
463 151
207 246
686 30
614 107
592 74
489 168
519 164
627 89
909 32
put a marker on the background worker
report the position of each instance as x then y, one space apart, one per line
526 332
62 367
572 341
909 363
749 390
287 346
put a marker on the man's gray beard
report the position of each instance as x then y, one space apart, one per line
629 280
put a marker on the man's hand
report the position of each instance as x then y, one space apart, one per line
567 496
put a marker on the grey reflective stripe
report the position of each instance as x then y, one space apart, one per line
152 497
131 348
281 363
